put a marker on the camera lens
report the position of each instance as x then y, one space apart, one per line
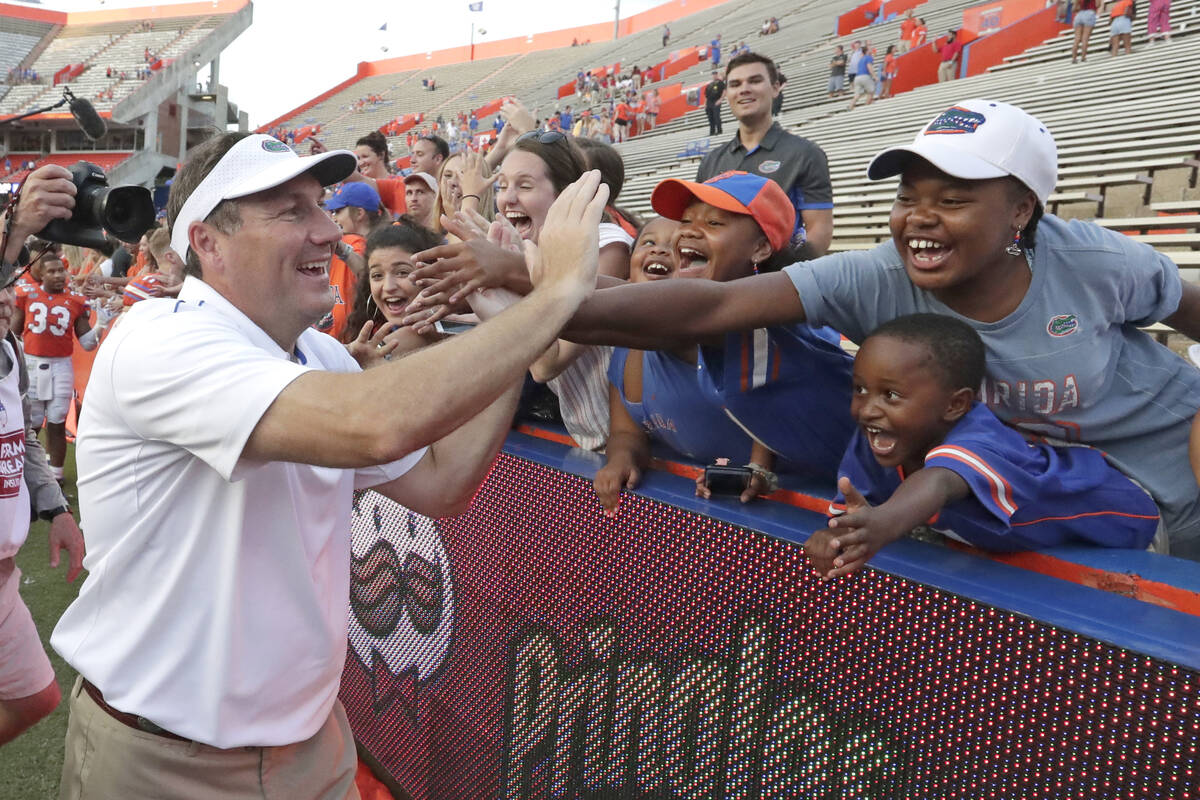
127 212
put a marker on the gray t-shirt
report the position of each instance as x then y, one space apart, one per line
1069 362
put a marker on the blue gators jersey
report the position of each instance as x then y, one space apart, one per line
1024 495
789 387
678 408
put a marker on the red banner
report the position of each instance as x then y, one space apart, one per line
489 108
990 17
990 50
686 59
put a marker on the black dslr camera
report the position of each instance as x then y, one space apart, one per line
126 212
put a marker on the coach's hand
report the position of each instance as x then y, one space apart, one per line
65 535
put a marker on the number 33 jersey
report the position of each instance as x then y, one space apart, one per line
50 321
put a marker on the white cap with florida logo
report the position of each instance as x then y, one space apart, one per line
255 164
980 139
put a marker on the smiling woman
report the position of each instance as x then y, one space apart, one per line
539 167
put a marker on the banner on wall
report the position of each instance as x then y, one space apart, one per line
533 648
990 17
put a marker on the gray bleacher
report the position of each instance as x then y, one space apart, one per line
121 45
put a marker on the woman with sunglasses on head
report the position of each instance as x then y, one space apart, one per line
1057 303
531 176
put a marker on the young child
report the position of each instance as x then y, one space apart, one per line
927 452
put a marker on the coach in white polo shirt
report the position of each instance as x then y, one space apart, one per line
218 452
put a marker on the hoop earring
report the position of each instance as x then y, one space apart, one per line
1014 247
371 302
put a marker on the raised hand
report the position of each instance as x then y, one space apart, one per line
372 347
474 178
450 272
859 533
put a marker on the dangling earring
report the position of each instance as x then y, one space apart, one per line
1014 247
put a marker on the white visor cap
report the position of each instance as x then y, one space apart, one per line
255 164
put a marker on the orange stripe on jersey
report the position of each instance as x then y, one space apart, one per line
1086 514
1001 491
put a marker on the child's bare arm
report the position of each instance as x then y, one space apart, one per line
863 530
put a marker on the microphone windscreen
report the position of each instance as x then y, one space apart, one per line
85 115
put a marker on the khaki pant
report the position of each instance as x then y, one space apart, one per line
947 71
106 760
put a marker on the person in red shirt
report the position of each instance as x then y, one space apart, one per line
888 73
907 26
951 51
49 318
624 114
918 34
653 104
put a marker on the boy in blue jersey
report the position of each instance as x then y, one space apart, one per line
927 451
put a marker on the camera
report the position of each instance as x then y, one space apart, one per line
126 212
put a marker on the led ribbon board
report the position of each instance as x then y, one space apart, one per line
533 648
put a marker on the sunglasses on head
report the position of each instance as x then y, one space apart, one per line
544 137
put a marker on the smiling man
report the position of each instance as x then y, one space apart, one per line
761 146
218 453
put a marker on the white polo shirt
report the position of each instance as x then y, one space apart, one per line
216 604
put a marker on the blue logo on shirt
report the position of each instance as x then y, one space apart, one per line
956 120
1062 325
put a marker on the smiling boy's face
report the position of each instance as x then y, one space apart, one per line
901 402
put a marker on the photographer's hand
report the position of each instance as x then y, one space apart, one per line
47 194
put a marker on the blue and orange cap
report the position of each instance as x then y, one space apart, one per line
739 192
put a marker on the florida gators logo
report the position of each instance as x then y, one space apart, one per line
275 146
1062 325
956 120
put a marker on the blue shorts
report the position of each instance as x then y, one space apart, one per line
1086 19
1120 25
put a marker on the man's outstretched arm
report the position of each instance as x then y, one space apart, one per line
377 416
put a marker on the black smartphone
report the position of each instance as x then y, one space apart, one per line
727 480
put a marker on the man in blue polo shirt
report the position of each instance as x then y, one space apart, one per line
762 147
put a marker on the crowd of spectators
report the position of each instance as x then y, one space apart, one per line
716 331
17 76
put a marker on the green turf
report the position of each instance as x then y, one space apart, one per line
30 765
